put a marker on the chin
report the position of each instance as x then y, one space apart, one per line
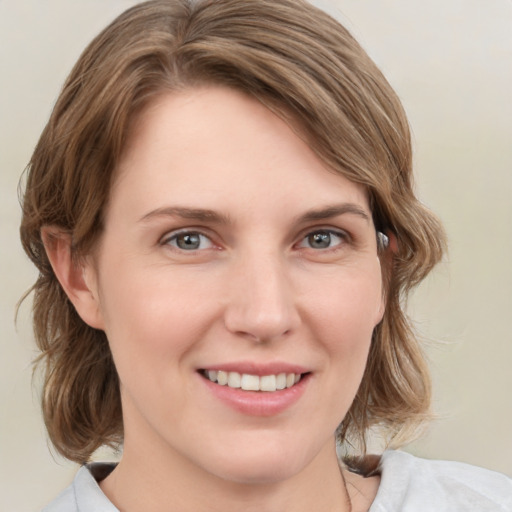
260 464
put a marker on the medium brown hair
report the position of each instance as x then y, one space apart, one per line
303 65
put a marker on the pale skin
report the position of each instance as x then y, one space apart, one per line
228 242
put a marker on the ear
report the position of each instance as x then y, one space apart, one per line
387 253
78 280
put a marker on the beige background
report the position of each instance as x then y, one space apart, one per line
451 63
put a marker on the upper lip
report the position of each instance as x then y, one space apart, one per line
253 368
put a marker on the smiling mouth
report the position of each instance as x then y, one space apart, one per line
247 382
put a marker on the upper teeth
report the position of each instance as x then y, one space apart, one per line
253 382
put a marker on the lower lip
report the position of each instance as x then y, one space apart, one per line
258 403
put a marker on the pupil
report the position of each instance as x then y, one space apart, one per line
190 241
320 240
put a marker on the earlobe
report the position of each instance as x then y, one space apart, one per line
77 280
392 243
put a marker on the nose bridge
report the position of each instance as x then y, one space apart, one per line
261 304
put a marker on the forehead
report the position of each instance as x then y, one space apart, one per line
209 144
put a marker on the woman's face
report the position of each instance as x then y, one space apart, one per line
230 252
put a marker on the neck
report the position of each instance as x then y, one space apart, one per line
158 481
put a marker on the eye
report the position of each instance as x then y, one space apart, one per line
323 239
188 241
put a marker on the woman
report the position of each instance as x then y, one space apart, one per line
221 211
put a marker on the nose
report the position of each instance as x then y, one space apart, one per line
262 303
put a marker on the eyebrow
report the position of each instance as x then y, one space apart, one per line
334 211
199 214
214 217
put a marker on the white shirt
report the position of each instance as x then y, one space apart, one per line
411 484
408 484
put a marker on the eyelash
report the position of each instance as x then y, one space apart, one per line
322 232
168 239
325 232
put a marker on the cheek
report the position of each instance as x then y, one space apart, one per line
348 302
340 324
153 317
342 319
154 323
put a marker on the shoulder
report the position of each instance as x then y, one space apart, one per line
410 484
84 493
